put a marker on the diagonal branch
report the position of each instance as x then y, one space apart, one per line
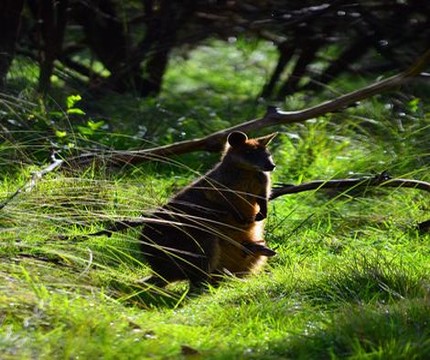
273 117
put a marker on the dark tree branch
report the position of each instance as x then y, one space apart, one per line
10 17
382 180
307 55
352 53
52 18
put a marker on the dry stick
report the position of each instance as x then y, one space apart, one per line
382 180
347 184
273 117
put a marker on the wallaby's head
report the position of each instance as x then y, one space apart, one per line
249 154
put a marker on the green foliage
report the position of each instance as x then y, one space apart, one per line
352 275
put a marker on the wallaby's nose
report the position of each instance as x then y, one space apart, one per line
270 166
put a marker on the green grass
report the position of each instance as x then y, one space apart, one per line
352 275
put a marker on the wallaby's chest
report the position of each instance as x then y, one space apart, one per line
247 182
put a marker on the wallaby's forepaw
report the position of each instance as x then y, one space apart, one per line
259 249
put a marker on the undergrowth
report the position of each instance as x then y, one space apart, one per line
351 279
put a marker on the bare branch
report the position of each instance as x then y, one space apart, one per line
273 117
382 180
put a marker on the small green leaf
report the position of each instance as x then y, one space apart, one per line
56 114
413 104
75 111
60 134
95 125
85 130
72 100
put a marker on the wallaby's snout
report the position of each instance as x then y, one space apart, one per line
270 166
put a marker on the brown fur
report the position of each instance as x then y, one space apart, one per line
215 225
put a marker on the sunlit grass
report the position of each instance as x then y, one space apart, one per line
352 275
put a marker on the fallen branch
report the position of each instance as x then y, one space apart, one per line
273 117
381 180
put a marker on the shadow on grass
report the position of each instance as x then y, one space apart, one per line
145 296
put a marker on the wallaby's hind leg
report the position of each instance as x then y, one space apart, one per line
183 253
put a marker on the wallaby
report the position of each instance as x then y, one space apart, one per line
215 225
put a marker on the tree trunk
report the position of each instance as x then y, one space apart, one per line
10 14
105 36
160 38
286 53
52 16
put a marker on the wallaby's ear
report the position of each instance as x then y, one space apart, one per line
237 138
265 140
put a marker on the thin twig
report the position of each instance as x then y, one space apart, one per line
35 177
90 262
